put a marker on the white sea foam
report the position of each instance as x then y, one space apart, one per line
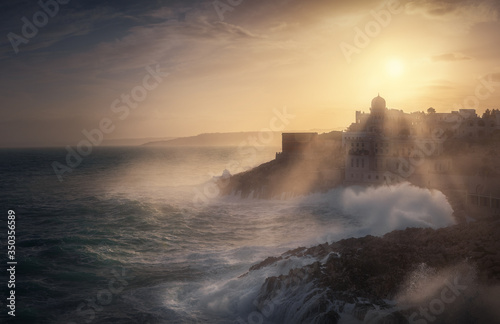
264 228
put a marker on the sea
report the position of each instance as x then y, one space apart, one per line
141 234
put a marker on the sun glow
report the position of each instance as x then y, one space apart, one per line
395 68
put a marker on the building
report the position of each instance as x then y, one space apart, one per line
382 143
385 145
387 142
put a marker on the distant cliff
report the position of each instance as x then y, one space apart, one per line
224 139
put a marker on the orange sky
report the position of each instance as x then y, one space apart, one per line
228 70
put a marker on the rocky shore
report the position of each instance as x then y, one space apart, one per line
417 275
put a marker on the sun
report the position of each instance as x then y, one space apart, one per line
395 68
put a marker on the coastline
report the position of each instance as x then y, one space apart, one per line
389 278
378 279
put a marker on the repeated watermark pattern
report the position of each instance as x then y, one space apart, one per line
484 89
121 107
88 310
437 306
457 291
381 19
425 148
248 149
40 19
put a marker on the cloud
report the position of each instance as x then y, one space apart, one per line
466 12
93 50
450 57
438 87
233 29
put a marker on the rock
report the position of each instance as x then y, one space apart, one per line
366 271
265 263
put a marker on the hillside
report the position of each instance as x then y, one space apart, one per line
224 139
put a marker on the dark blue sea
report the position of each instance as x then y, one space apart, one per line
139 234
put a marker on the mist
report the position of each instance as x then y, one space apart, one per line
379 210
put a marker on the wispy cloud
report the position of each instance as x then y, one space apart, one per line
450 57
262 52
466 12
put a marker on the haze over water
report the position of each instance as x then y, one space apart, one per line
123 240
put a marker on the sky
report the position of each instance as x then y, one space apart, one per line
141 69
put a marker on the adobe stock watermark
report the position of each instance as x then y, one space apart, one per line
122 108
88 310
248 148
40 19
381 18
221 7
437 306
454 293
423 149
484 89
257 316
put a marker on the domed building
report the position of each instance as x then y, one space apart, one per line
374 143
376 119
378 106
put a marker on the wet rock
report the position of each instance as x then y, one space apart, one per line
366 271
265 263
